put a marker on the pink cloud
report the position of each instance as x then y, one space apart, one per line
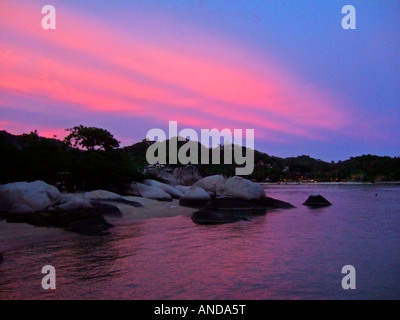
218 91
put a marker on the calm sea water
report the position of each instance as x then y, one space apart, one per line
295 254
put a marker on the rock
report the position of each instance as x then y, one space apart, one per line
83 221
182 189
210 183
21 208
196 198
102 195
276 204
229 203
1 258
316 201
106 209
107 196
36 195
153 193
187 175
215 217
132 190
71 202
89 223
173 192
238 187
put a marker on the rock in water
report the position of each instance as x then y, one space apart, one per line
316 201
89 223
237 187
195 198
1 258
215 217
210 183
276 204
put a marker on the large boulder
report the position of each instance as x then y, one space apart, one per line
38 196
153 193
187 175
196 198
210 183
173 192
237 187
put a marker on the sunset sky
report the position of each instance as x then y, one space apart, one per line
284 68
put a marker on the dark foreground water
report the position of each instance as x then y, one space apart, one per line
295 254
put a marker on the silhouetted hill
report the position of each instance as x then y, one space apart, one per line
29 157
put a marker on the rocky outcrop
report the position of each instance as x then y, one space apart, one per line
233 194
187 175
173 192
237 187
317 201
210 183
196 198
40 204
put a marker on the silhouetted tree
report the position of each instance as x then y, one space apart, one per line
91 138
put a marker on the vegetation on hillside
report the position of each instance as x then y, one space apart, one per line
90 159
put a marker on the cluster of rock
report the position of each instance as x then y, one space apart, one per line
216 196
41 204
